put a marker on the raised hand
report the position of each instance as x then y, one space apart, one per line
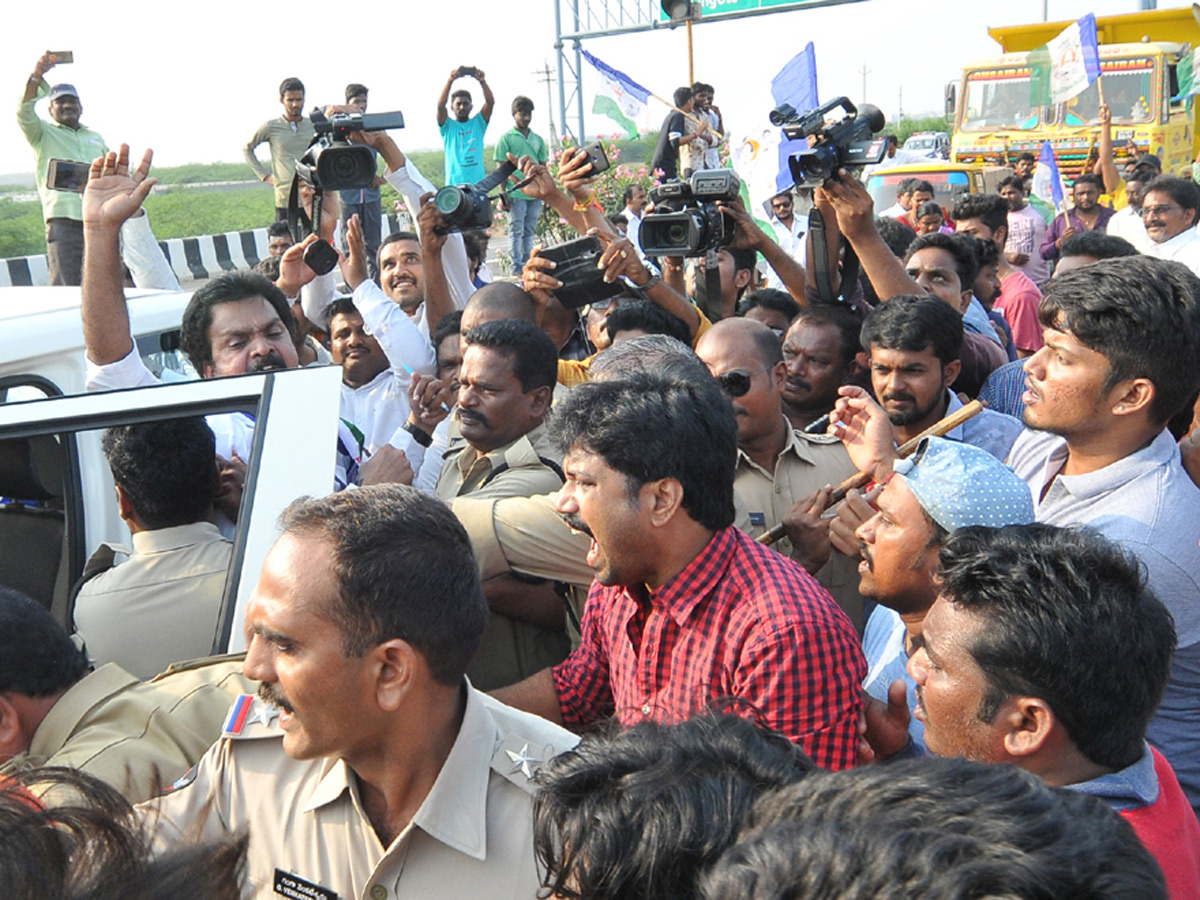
113 193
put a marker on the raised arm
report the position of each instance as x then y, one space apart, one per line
444 98
489 101
855 211
1106 165
44 64
749 236
113 194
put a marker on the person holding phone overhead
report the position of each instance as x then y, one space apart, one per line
62 138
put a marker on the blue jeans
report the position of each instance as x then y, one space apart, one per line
370 216
522 222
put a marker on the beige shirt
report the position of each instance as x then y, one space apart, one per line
137 737
510 649
169 589
514 470
472 837
808 462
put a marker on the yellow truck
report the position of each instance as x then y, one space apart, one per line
994 121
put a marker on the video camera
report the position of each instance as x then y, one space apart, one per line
686 220
467 206
332 163
844 145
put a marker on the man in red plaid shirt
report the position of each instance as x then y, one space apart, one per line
686 610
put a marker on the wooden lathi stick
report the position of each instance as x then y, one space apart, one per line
858 479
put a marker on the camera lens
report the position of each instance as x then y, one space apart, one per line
449 199
677 233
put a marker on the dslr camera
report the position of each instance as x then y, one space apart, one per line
332 163
848 144
467 206
686 220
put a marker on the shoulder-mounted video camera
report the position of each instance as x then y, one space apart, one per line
686 220
845 145
332 163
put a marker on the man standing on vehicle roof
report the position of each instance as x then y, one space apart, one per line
64 138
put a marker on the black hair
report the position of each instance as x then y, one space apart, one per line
37 656
1027 157
278 228
522 103
1088 178
1065 615
744 259
355 89
990 209
268 268
847 323
342 306
82 841
930 208
987 253
891 139
649 427
960 246
1096 244
1012 181
920 184
450 323
653 353
896 234
233 287
1182 191
404 569
290 84
905 185
934 829
618 219
1142 314
529 350
772 299
640 813
461 92
167 469
701 87
915 322
627 195
682 95
647 316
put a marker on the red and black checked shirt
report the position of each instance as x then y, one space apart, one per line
741 621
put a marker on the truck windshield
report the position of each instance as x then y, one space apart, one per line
996 99
1128 91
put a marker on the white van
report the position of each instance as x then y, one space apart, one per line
57 500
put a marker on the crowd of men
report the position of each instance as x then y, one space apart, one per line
592 610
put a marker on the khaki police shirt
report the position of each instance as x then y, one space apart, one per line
171 587
471 838
137 737
514 470
511 649
808 462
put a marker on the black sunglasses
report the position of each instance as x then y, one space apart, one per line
736 383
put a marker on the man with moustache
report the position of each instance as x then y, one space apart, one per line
1169 211
1086 215
368 766
686 610
62 138
819 351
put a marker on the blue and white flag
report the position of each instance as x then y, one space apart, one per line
1046 194
1064 67
620 98
796 82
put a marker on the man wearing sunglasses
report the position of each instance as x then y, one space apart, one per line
1169 212
782 474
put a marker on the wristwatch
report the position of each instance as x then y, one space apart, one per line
654 281
424 438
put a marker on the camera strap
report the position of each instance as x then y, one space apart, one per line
712 280
299 224
497 177
820 260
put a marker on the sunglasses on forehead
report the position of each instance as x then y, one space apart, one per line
736 383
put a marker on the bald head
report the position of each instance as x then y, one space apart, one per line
743 334
498 300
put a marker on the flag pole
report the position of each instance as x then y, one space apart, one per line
687 115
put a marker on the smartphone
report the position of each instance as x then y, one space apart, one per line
61 57
598 157
67 175
467 72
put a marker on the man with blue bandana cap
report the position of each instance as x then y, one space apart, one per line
944 486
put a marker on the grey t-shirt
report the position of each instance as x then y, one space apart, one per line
1147 503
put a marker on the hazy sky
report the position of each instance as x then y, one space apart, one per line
195 83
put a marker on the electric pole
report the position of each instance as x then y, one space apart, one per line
864 72
547 78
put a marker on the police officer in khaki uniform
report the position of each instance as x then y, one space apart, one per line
367 767
137 737
506 379
781 473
